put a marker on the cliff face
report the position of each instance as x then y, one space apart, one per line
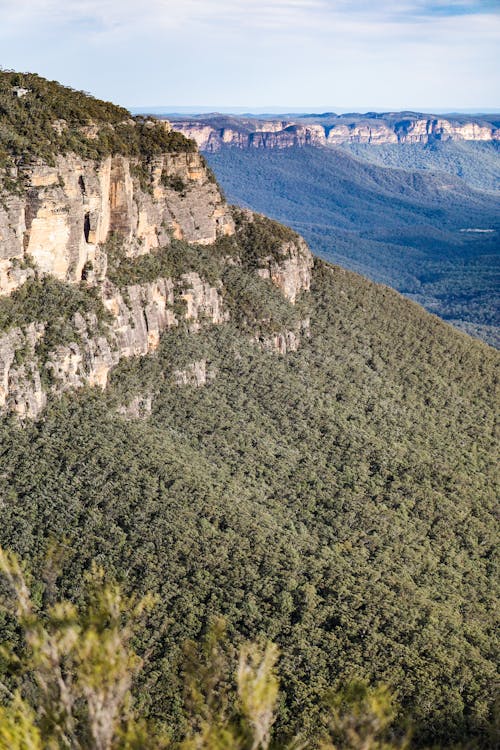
138 316
284 134
66 212
58 226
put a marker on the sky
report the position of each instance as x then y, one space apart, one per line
321 55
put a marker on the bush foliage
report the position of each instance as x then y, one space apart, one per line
79 664
48 119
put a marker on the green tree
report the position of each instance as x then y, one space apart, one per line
361 717
79 667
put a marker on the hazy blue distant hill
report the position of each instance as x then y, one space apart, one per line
476 162
408 229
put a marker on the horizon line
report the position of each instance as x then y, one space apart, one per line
224 109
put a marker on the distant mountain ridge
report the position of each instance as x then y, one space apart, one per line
405 198
212 132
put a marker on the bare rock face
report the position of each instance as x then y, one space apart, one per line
291 135
291 273
138 316
203 302
284 342
361 133
290 268
20 383
284 134
271 134
67 211
195 374
140 313
58 225
426 131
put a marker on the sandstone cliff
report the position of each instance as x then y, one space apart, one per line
65 212
211 135
59 225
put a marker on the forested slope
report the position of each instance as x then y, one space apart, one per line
403 227
191 402
338 500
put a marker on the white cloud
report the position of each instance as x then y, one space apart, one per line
259 48
129 15
161 13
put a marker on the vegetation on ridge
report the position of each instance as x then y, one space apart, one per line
78 665
401 228
40 119
46 299
339 502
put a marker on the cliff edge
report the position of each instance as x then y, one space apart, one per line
113 229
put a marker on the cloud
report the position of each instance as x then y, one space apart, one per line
250 49
110 14
129 15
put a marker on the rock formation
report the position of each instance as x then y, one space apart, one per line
58 225
211 135
65 212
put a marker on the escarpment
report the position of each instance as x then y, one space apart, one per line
113 231
213 134
34 362
116 252
65 212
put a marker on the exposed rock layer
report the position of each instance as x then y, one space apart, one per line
138 316
284 134
59 227
66 211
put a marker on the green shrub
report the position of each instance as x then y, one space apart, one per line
50 119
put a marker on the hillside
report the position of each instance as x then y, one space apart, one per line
407 229
191 400
476 163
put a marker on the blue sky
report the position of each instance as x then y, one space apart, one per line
315 54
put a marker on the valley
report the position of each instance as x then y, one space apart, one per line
394 207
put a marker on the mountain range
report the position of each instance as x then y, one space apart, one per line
213 131
195 402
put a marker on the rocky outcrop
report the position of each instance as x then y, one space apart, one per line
195 374
289 266
285 134
138 407
284 342
21 388
64 213
138 316
56 220
262 135
425 131
291 273
360 133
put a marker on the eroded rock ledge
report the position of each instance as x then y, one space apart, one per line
59 228
139 314
62 214
285 134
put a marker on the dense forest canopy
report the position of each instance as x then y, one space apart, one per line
406 223
339 500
